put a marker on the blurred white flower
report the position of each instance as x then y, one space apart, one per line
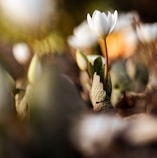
126 20
94 133
131 41
21 53
147 33
102 24
82 37
143 129
27 13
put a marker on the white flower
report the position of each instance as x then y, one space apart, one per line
82 37
93 130
147 32
102 24
21 53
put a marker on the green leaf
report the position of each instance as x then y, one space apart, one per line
97 64
101 73
109 87
99 68
119 76
141 74
91 69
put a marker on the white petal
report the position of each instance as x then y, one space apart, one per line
83 37
110 19
95 13
109 16
90 22
101 25
104 15
114 20
72 42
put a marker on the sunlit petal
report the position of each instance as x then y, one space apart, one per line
102 24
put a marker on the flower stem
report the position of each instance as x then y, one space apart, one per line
103 46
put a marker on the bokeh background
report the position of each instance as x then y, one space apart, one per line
67 14
44 28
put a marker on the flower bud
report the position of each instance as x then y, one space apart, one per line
35 69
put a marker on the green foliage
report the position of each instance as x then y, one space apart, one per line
120 77
52 43
108 88
141 73
91 69
97 67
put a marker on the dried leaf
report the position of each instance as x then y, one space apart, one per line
23 101
97 93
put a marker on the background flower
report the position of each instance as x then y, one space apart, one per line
147 32
21 53
82 37
27 14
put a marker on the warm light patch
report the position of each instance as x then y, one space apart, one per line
120 45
